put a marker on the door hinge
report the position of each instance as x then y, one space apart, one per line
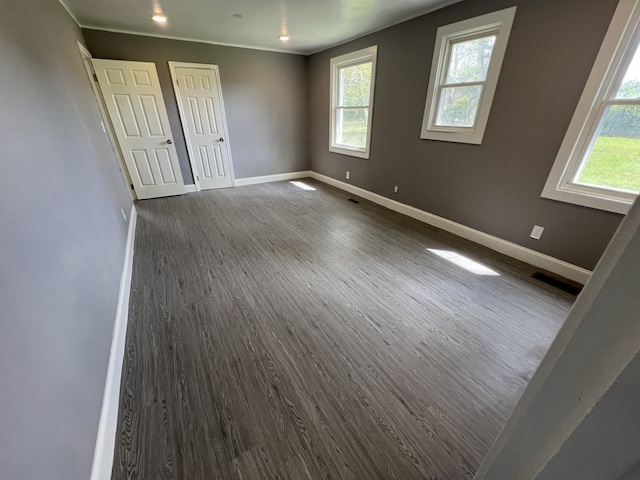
198 178
131 185
95 77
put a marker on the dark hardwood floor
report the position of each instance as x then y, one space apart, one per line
278 333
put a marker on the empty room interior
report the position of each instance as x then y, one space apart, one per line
339 239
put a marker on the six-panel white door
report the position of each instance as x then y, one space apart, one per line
202 113
132 94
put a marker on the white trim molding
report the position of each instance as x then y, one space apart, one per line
73 17
359 57
606 75
496 24
513 250
106 120
241 182
188 39
537 259
577 417
190 188
105 443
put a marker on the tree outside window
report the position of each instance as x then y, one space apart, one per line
352 87
466 64
598 163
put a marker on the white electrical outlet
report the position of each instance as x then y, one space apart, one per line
395 189
537 232
347 174
124 215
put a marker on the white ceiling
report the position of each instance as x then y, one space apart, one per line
312 24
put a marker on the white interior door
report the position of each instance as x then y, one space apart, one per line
132 94
202 110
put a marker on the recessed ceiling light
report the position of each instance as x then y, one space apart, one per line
159 18
284 38
239 16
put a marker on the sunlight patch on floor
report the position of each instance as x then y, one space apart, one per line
302 185
464 262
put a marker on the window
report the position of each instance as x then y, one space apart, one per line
352 85
464 73
598 164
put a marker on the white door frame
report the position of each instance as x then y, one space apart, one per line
106 121
183 123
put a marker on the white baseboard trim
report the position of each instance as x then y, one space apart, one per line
241 182
190 189
105 443
537 259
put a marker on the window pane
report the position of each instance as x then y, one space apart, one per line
469 61
630 87
355 85
614 160
352 127
458 106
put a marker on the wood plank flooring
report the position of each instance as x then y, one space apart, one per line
278 333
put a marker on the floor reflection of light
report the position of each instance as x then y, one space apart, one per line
303 185
464 262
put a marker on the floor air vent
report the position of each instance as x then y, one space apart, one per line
563 284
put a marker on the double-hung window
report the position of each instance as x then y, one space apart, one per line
464 74
598 164
352 88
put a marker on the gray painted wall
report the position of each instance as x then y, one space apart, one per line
578 417
265 97
62 241
494 187
632 474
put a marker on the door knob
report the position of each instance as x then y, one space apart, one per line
221 139
169 141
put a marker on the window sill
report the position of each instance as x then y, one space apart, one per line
474 138
349 151
604 201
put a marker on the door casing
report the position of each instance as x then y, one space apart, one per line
106 121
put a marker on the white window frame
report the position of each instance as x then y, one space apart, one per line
369 54
606 75
497 23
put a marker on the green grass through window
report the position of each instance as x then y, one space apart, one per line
354 134
614 162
